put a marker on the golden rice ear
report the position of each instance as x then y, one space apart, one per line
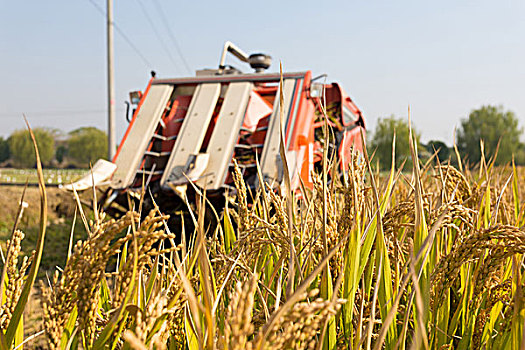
242 199
238 321
31 277
13 231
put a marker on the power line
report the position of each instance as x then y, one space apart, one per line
157 34
123 35
170 33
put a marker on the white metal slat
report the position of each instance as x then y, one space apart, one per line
270 160
140 135
192 131
225 134
293 117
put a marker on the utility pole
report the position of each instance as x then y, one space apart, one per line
111 84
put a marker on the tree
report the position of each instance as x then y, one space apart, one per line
22 151
492 125
443 152
4 150
61 153
86 145
381 141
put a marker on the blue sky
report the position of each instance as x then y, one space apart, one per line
444 58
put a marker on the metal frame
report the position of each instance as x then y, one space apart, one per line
270 160
227 78
192 132
225 134
140 134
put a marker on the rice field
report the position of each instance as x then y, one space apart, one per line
51 176
431 258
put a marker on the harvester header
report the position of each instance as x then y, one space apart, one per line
191 129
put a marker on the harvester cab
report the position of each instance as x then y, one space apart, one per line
185 133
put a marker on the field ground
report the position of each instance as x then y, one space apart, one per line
61 209
51 176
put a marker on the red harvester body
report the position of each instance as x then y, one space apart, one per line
191 129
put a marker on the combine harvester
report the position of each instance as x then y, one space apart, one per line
191 129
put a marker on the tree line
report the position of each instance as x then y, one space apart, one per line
78 148
498 129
